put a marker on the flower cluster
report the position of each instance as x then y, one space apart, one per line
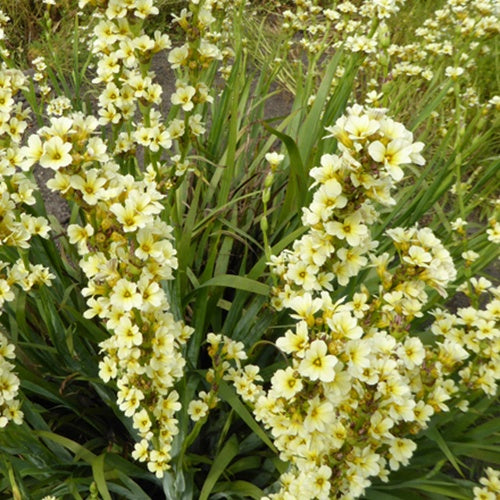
207 30
17 226
491 486
124 242
374 148
125 246
313 29
344 22
9 386
458 32
472 334
342 365
207 27
126 252
451 44
123 52
227 356
356 356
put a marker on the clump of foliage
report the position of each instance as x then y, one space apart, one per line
247 304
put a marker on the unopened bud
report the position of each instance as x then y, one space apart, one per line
94 492
384 35
100 238
383 59
269 180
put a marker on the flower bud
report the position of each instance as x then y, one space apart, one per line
383 59
269 180
384 36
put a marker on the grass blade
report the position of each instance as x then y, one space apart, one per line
221 461
229 395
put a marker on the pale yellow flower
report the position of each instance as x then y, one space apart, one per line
55 153
317 364
183 97
286 383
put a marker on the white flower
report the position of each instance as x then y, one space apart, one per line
56 154
286 383
183 96
453 72
396 153
317 364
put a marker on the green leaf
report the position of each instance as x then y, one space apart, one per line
243 489
137 493
485 453
98 473
71 445
36 421
229 395
427 110
35 384
433 434
374 494
485 430
246 463
239 283
95 461
221 461
448 490
297 181
311 128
